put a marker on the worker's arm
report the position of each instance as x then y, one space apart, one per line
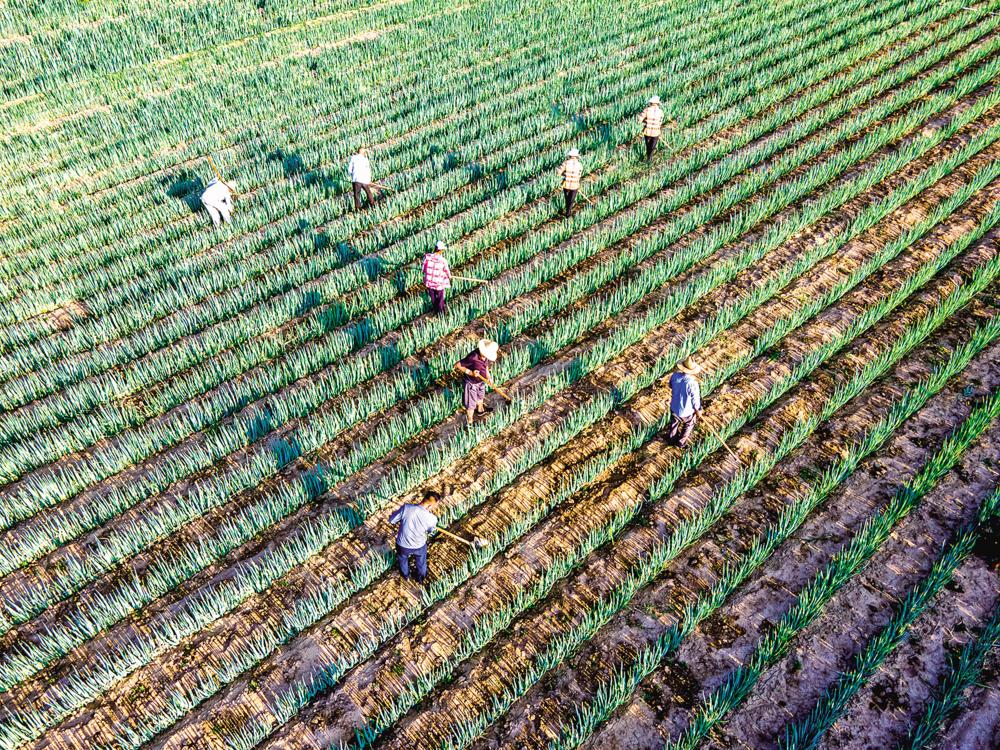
464 370
397 516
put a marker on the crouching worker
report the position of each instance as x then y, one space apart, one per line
416 521
685 402
218 201
476 369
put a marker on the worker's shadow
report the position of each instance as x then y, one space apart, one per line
390 355
283 448
294 168
187 187
291 164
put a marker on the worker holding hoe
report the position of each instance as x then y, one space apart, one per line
359 170
218 200
652 123
685 402
416 521
475 368
437 276
571 171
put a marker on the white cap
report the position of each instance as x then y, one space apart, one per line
654 99
489 349
440 245
573 152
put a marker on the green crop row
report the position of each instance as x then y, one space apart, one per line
965 671
809 731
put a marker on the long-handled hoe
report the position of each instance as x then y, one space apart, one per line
218 174
475 543
495 387
718 437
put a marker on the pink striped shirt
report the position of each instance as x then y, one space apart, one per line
437 274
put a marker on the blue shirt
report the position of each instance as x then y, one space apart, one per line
415 523
685 394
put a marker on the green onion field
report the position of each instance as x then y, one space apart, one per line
204 430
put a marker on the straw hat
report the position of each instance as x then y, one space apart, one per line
654 99
489 349
689 366
440 245
573 152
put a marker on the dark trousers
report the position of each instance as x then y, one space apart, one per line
650 145
358 187
403 555
437 299
681 430
570 196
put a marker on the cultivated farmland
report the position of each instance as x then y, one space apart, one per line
204 430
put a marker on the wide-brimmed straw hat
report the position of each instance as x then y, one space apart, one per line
440 245
489 349
573 152
654 99
689 366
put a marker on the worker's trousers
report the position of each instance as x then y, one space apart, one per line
403 555
358 187
681 429
437 299
570 196
650 145
219 213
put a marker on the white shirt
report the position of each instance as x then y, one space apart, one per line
217 193
360 169
415 523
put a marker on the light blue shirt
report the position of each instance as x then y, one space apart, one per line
685 394
415 523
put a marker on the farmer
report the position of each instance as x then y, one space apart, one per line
437 276
475 368
652 122
359 169
416 521
571 171
218 200
685 402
